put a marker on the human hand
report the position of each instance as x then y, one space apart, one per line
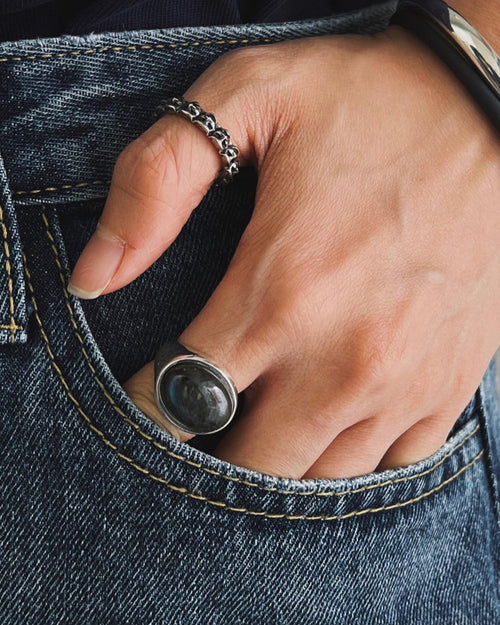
360 309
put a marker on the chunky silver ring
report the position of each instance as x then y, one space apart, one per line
191 392
207 122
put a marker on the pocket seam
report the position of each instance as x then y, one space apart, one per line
165 449
13 327
65 187
137 48
222 504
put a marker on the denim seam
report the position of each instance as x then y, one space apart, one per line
12 326
198 465
488 462
64 187
221 504
137 48
492 482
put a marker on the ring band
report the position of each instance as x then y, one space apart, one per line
207 122
191 392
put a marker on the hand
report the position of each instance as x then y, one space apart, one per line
361 307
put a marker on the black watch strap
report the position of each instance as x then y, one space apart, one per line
459 45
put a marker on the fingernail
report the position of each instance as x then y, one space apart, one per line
97 264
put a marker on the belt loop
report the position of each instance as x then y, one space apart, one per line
12 282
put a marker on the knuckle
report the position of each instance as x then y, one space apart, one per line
253 76
142 167
244 63
143 158
379 350
285 308
247 89
231 77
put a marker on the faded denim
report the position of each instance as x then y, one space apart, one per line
104 517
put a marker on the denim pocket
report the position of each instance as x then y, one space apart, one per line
107 518
228 486
150 513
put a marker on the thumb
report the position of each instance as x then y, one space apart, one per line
157 182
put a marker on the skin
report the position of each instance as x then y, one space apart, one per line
361 307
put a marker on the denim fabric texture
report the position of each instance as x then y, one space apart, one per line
104 517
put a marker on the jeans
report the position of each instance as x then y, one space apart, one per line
104 517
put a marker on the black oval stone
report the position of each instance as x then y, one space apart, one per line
195 397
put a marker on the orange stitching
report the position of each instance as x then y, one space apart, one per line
198 465
222 504
64 187
12 325
324 517
134 48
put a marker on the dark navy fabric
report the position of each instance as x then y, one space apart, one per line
104 517
23 19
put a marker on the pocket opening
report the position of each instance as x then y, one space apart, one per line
223 484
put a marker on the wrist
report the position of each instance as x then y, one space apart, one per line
457 43
417 68
484 15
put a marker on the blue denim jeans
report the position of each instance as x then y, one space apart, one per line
104 517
